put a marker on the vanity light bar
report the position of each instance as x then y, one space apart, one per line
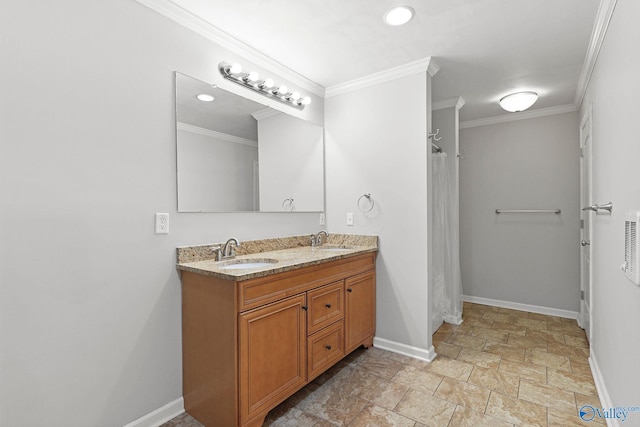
251 80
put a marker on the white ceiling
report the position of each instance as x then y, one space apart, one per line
485 48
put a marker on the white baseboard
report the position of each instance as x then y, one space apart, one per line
603 393
160 415
522 307
404 349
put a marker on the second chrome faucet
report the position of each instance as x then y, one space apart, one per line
316 239
227 251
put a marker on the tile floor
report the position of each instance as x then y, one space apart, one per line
501 367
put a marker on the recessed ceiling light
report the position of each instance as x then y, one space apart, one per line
399 15
518 101
205 97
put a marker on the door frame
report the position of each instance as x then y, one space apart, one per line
585 316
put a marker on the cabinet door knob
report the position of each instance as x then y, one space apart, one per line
349 290
328 347
304 307
328 305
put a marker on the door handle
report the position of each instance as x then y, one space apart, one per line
585 242
591 208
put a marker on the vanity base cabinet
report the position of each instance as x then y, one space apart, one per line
241 358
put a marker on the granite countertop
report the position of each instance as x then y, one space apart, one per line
288 253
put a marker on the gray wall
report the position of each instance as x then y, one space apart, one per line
527 164
375 147
89 295
612 94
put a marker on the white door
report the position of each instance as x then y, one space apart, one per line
585 231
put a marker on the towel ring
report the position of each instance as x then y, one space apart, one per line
290 201
371 202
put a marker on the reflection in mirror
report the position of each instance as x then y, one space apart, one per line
237 155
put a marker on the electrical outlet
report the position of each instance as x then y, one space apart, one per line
349 218
322 221
162 223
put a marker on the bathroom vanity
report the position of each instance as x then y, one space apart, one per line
252 337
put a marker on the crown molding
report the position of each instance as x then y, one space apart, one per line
419 66
210 32
218 135
458 103
512 117
605 12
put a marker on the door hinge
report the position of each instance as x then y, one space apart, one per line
582 295
582 223
581 152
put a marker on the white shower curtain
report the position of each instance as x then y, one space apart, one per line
447 283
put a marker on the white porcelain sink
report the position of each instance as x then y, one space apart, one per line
245 264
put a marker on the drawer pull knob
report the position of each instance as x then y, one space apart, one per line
304 307
328 305
328 347
349 290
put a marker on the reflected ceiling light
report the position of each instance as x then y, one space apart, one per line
399 15
519 101
265 87
204 97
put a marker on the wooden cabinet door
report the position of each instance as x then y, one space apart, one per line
360 316
272 355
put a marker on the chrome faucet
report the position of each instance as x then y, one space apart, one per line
316 239
227 251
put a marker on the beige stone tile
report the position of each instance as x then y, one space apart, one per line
567 350
381 392
546 335
480 358
406 360
580 368
495 380
448 350
375 416
465 417
510 328
426 409
516 411
478 323
537 325
565 419
506 351
527 342
512 312
576 341
594 402
527 371
464 329
450 368
293 417
331 404
381 365
490 334
548 396
497 317
572 382
468 341
440 336
545 318
463 394
555 361
416 379
567 328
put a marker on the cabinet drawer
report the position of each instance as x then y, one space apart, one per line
326 305
324 348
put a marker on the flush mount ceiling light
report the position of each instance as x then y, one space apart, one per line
519 101
205 97
399 15
265 87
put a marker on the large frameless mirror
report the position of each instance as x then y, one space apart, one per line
237 155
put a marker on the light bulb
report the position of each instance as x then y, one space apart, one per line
252 76
268 83
399 15
518 101
282 90
305 101
295 96
235 69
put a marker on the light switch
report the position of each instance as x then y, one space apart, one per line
349 218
